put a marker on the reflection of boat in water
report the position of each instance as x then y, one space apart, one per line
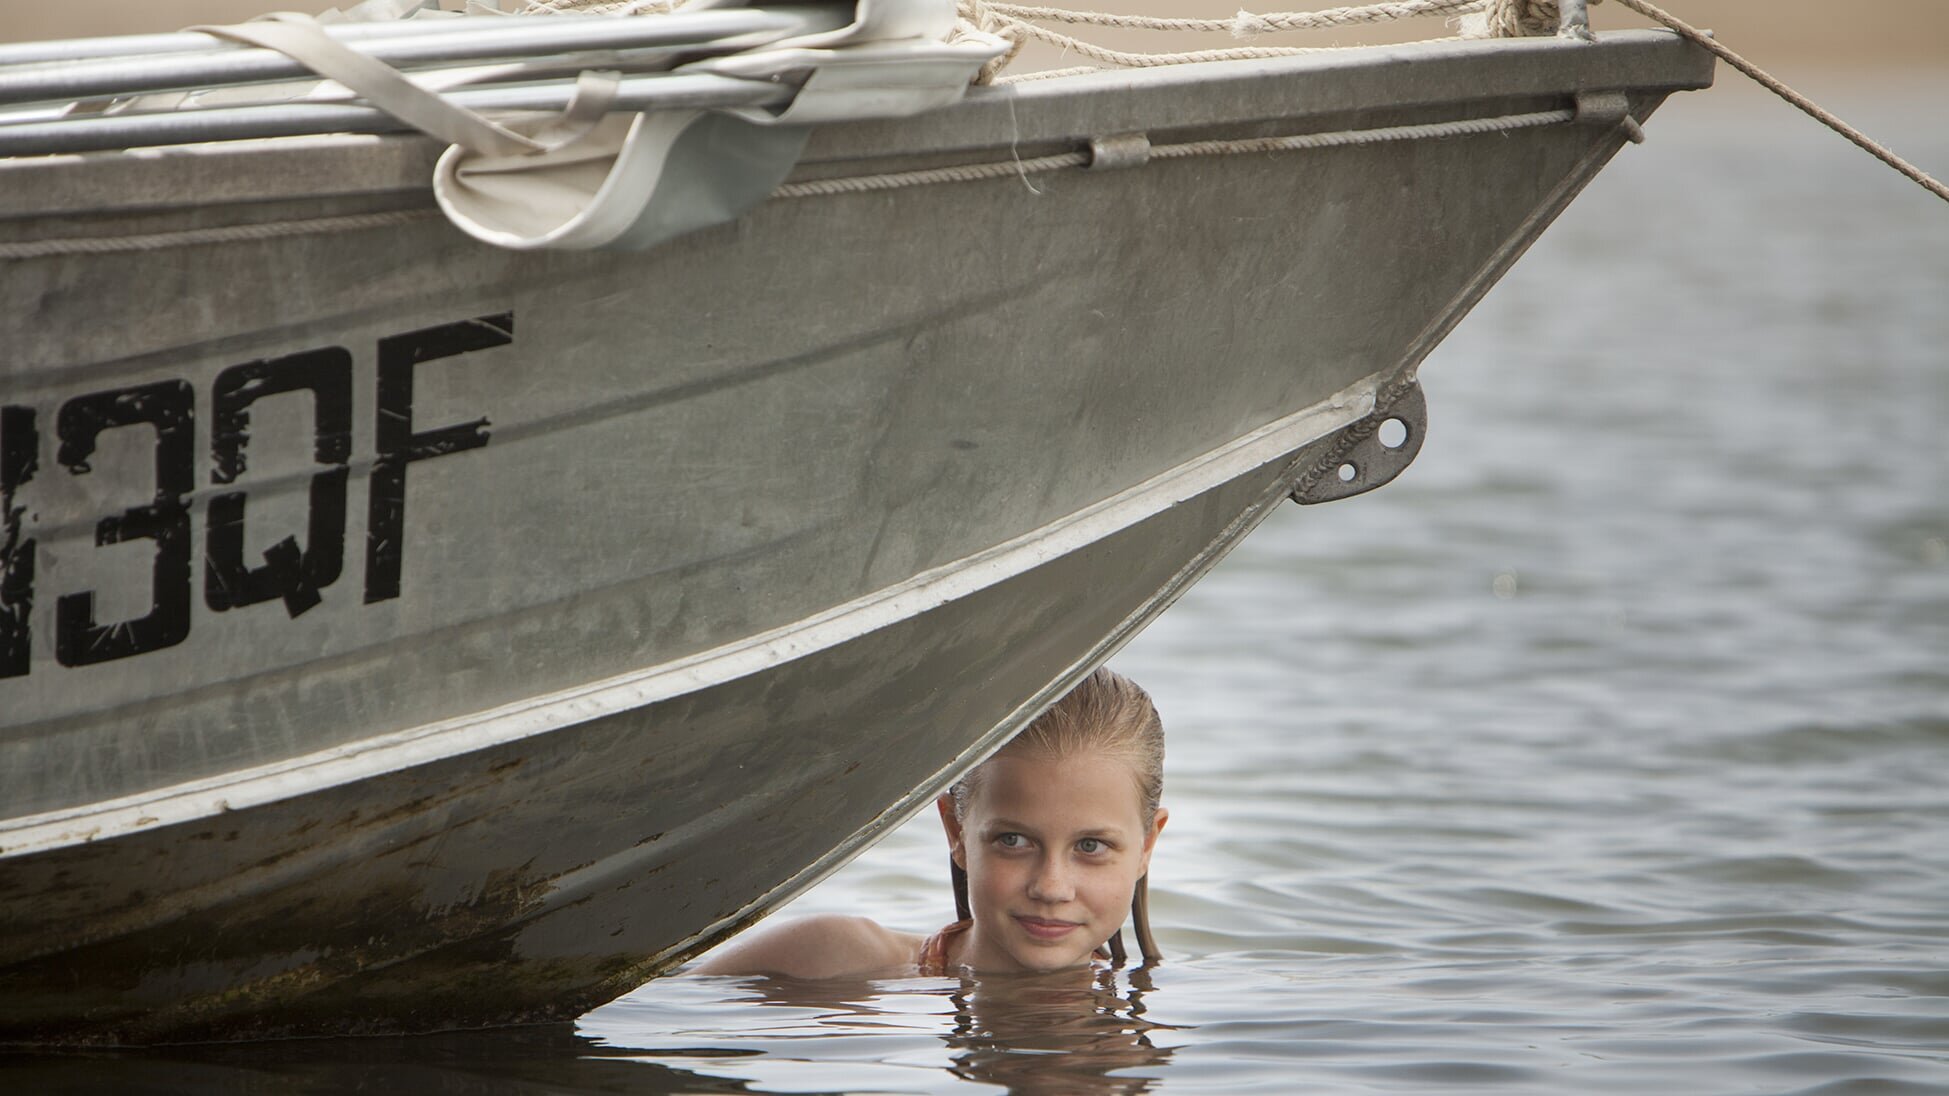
399 632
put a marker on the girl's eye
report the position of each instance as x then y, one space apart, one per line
1011 841
1090 846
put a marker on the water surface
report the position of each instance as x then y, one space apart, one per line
1606 751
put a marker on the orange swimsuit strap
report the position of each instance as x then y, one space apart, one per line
933 950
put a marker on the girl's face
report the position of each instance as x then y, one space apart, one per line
1053 852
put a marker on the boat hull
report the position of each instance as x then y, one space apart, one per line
409 634
684 799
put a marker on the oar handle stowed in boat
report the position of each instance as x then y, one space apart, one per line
441 42
737 90
686 91
189 41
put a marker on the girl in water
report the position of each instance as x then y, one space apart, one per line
1050 841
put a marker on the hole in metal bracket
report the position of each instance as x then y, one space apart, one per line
1393 434
1366 454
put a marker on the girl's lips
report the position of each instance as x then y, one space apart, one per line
1045 930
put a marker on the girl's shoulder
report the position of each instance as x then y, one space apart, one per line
829 945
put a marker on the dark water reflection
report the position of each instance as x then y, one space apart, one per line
1083 1032
507 1062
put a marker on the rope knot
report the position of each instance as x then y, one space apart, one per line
976 15
1523 18
1245 24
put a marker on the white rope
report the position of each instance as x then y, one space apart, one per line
1769 82
1516 18
1129 59
1247 23
1020 23
589 7
856 184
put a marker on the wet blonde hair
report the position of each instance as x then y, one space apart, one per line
1105 713
1109 713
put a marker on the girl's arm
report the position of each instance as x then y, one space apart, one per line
825 946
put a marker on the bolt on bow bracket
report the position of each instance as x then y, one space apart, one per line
1368 453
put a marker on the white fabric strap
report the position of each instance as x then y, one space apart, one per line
378 83
595 94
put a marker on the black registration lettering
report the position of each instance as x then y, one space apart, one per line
289 572
168 407
399 446
19 446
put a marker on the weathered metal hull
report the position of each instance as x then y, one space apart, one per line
410 634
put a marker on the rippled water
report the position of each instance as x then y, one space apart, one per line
1604 752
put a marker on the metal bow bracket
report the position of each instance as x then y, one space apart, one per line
1368 453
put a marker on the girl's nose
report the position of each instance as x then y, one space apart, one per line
1051 881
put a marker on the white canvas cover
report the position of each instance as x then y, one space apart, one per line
633 181
593 178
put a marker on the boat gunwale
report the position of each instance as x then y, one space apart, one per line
1351 81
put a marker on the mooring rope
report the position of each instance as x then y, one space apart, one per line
1019 24
1771 83
1496 18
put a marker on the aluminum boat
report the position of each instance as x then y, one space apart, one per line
402 632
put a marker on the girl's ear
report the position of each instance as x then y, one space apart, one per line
952 824
1150 839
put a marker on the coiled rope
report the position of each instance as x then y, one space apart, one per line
1518 18
1020 24
1245 23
